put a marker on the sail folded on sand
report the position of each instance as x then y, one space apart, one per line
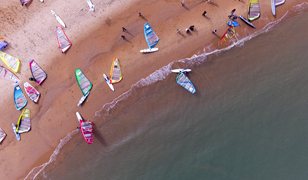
19 98
254 10
24 122
279 2
185 82
37 72
84 84
12 62
2 134
24 2
33 94
228 34
63 41
115 72
150 35
8 75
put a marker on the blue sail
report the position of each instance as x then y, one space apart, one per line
150 35
183 80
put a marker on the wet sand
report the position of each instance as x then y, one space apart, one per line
30 32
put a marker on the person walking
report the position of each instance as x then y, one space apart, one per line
140 14
187 30
124 29
182 4
214 31
203 14
122 36
178 31
192 28
233 10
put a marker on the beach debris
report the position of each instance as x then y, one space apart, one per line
58 18
86 128
19 98
24 2
12 62
16 133
91 5
24 122
7 74
33 94
2 135
38 73
151 38
108 82
63 41
84 84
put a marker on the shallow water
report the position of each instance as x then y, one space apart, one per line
247 119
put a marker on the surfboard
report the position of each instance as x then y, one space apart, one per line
235 24
19 98
108 82
273 7
83 98
91 5
279 2
16 133
58 18
33 94
149 50
86 128
180 70
12 62
247 22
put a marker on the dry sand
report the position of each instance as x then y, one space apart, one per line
30 32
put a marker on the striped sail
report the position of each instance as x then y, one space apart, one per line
24 122
37 72
63 41
228 34
84 84
8 75
10 61
115 72
87 131
33 94
185 82
2 134
254 10
150 35
19 98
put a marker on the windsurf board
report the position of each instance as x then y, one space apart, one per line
84 97
108 82
58 18
149 50
180 70
235 24
247 22
273 7
16 133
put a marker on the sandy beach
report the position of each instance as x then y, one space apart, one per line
96 40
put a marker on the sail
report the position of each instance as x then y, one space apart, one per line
228 34
254 10
279 2
2 134
185 82
33 94
24 2
63 41
150 35
24 124
10 61
37 72
19 98
87 130
8 75
115 72
84 84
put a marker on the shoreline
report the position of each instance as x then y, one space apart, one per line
46 131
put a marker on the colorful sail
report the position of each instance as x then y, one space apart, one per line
15 132
84 84
253 10
8 75
115 72
150 35
24 2
228 34
185 82
63 41
19 98
10 61
24 122
33 94
2 135
86 128
38 73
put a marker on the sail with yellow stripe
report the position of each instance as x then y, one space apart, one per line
253 10
228 34
24 122
12 62
115 72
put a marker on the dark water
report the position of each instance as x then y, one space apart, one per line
247 120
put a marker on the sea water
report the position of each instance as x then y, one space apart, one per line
247 119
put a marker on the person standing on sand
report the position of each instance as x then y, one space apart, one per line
178 31
192 28
214 31
124 29
203 14
140 14
182 4
187 30
233 10
122 36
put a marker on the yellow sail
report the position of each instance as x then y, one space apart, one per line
12 62
253 10
115 72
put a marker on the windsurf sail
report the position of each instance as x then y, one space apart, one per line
2 134
37 72
19 98
63 41
115 72
24 124
10 61
84 84
253 10
86 128
7 74
33 94
228 34
15 132
185 82
24 2
279 2
150 35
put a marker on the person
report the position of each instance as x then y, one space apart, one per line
208 1
124 29
192 28
78 127
182 4
230 16
140 14
233 10
203 14
31 79
214 31
122 36
178 31
234 17
187 30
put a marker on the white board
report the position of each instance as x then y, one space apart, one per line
273 7
78 116
58 18
108 82
83 98
90 5
149 50
179 70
